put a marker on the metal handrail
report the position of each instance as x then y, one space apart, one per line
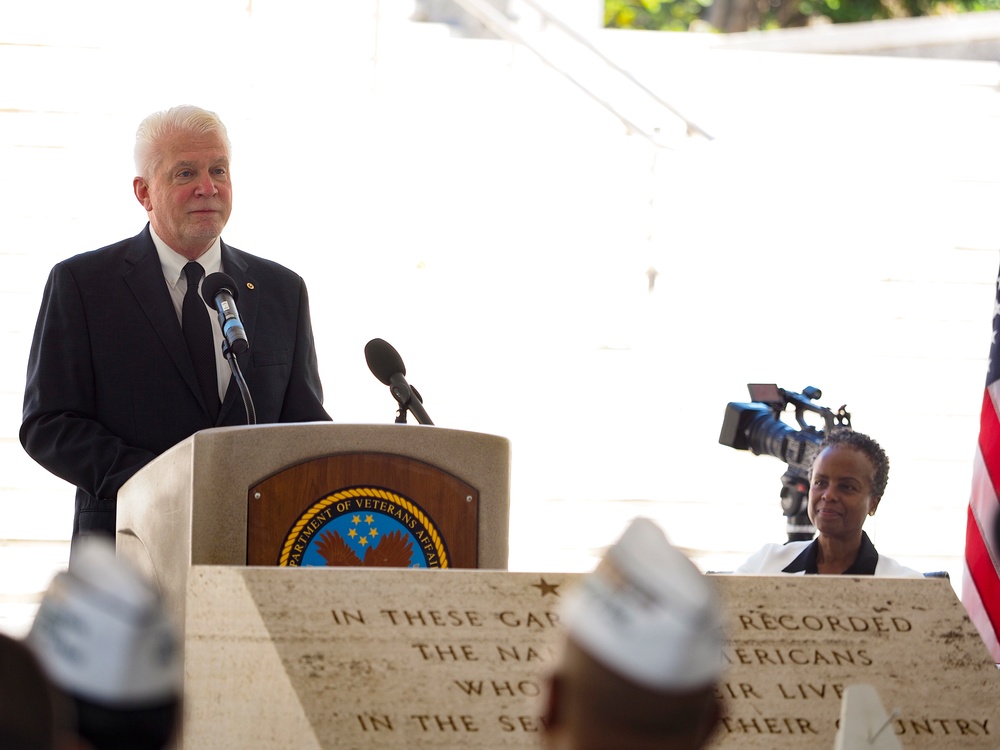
692 128
500 25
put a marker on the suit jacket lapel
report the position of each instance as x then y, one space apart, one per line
144 276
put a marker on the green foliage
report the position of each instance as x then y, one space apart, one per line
680 15
665 15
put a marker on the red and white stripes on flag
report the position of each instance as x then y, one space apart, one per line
981 576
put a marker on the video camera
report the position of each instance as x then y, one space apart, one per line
758 427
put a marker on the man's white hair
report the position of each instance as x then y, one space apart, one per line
185 118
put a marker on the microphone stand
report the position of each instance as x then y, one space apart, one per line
248 406
409 399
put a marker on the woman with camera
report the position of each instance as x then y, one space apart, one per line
847 479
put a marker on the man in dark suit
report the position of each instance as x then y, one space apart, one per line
112 380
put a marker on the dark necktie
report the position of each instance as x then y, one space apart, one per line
197 327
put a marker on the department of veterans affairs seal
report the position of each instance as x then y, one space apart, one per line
364 527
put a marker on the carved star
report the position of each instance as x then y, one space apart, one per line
545 588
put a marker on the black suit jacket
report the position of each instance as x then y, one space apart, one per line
110 384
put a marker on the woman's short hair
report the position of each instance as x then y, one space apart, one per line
861 442
185 118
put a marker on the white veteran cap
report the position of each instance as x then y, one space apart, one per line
102 635
648 614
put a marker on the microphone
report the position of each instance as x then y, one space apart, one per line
383 360
219 291
386 365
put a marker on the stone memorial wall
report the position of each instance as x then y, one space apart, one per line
351 658
796 643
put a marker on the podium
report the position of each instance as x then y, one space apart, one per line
317 494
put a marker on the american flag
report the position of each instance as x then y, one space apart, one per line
981 577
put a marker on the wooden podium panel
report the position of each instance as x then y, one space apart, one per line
330 512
